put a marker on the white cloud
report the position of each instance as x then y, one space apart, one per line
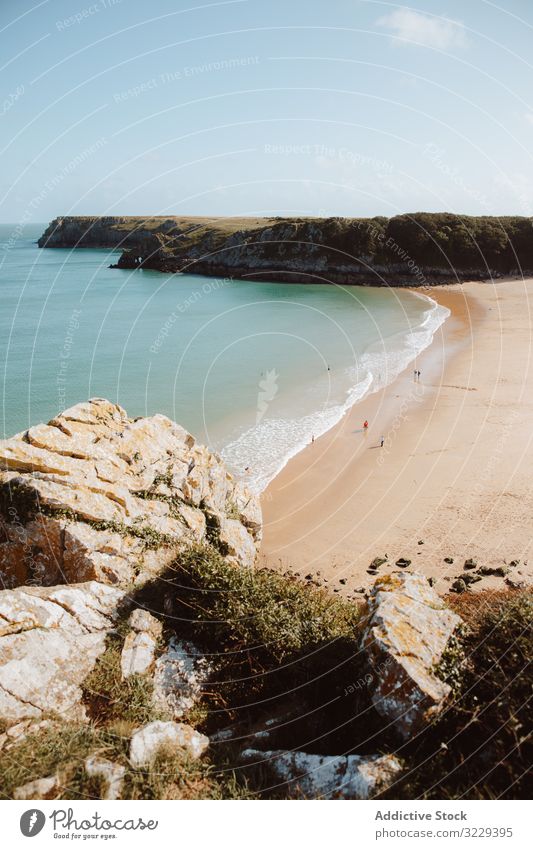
406 25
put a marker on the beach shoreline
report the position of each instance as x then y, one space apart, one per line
453 472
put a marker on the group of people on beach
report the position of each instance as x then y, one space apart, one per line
416 376
365 428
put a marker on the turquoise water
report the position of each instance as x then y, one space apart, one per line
252 369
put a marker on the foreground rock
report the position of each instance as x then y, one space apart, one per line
149 740
406 634
329 777
112 775
180 675
94 495
140 644
349 251
50 639
40 788
17 733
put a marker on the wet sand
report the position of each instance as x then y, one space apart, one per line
455 471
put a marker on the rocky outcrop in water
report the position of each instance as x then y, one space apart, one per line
421 249
94 495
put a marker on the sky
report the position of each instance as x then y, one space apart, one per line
247 107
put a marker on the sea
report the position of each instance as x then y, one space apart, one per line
255 370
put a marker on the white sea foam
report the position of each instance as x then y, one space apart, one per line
266 448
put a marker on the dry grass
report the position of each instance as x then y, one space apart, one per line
62 751
284 647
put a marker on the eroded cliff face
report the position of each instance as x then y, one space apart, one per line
414 250
92 232
94 495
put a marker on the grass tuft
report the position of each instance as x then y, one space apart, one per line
110 698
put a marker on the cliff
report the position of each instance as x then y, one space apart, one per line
144 652
94 495
421 249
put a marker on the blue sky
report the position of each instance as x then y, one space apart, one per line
346 107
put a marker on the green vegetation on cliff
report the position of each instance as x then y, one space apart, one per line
288 658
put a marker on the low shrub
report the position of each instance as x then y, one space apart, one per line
62 750
255 610
281 647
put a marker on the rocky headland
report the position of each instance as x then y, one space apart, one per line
145 654
420 249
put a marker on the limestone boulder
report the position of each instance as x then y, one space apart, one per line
235 542
94 495
140 645
407 630
111 774
248 508
141 620
328 777
158 736
138 654
98 554
181 673
50 639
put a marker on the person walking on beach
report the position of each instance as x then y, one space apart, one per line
365 424
382 441
418 373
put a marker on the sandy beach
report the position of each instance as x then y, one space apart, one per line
454 476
